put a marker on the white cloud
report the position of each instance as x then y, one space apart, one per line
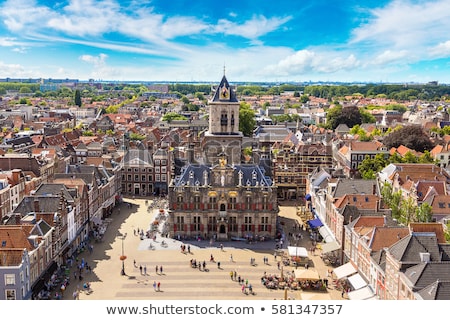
308 61
251 29
20 50
406 24
442 50
20 14
100 68
16 71
390 56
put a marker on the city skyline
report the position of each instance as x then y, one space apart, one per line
256 41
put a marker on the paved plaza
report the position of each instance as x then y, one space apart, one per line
178 280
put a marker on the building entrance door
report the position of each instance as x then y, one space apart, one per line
222 232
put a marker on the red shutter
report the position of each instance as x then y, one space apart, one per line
243 228
238 206
253 206
253 228
174 228
192 206
269 228
201 227
270 206
174 206
202 206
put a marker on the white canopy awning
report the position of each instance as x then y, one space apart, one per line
356 281
298 252
308 274
326 234
345 270
364 293
330 246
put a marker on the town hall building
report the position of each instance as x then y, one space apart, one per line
221 197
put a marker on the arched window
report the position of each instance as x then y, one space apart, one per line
223 119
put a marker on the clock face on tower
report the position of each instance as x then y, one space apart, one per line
224 93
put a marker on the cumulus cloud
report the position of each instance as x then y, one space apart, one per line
16 70
442 50
100 69
307 61
251 29
390 56
406 24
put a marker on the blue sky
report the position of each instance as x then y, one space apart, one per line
256 40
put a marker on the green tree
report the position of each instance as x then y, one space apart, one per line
185 100
87 133
77 98
170 116
391 199
424 212
369 167
367 117
304 98
136 136
247 119
408 209
25 90
395 202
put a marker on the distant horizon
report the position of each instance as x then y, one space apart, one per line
349 41
61 80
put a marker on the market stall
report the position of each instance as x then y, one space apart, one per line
298 255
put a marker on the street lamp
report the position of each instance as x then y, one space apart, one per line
123 256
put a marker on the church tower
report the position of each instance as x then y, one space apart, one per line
223 137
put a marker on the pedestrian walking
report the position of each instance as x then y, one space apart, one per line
156 269
159 286
221 247
140 268
231 258
243 289
134 262
145 270
218 264
231 275
154 285
160 269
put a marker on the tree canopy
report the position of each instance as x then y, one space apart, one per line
170 116
337 115
247 120
411 136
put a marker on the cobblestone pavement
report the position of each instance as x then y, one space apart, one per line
178 280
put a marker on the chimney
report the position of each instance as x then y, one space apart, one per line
36 205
